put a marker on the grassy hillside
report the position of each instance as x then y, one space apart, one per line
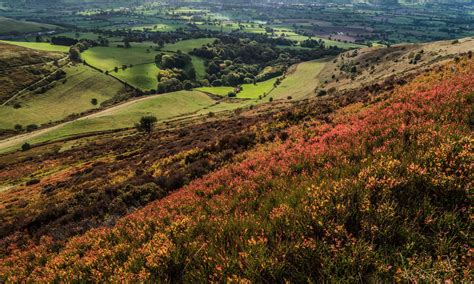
106 58
164 107
357 187
141 56
188 45
20 67
300 81
249 91
39 46
71 95
12 26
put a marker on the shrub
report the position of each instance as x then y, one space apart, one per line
231 95
26 146
32 181
31 127
94 101
146 124
321 93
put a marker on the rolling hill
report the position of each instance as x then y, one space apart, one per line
10 26
337 188
20 67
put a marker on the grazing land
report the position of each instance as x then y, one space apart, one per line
40 46
301 81
68 96
21 67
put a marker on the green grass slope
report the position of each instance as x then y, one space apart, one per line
11 26
300 81
164 107
249 91
39 45
71 95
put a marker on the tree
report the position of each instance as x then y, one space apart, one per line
94 101
31 127
74 54
146 124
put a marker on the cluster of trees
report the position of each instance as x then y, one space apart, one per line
62 40
312 43
176 72
240 59
80 46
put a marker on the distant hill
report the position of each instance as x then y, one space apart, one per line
10 26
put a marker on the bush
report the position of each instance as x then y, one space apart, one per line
231 95
31 127
18 127
94 101
26 146
146 124
321 93
32 181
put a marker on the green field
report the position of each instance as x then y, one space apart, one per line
88 35
141 56
165 107
106 58
39 45
301 82
140 76
8 25
188 45
67 97
249 91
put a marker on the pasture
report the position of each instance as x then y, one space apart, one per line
249 91
39 45
300 82
164 107
68 96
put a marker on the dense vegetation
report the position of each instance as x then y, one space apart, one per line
357 187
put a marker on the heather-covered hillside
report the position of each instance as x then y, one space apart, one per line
377 190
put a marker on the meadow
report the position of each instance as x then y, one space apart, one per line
301 81
44 46
163 107
249 91
107 58
141 70
187 45
71 95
